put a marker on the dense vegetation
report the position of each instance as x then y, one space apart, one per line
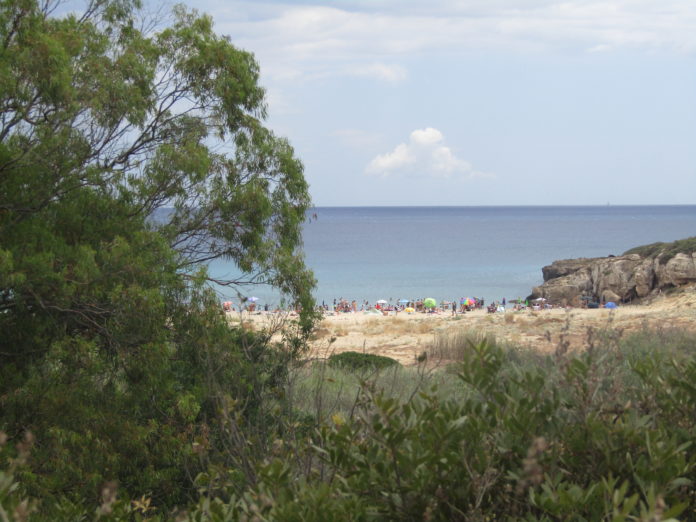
125 394
357 361
113 350
504 433
666 251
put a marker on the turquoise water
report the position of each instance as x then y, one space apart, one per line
370 253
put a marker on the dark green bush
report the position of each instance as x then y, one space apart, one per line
356 361
666 250
604 435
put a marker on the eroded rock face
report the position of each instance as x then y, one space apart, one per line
679 270
619 278
566 267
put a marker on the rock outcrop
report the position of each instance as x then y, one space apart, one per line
619 278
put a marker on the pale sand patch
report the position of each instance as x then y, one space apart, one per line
405 336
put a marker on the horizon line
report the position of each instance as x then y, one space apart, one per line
588 205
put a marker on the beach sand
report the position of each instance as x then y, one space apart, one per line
405 336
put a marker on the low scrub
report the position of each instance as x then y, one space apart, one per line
606 434
358 362
666 251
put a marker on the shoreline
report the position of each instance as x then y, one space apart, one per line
405 336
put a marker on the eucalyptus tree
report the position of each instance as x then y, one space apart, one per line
107 121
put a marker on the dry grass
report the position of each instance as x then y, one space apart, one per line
394 326
404 326
321 332
340 331
451 345
547 320
326 329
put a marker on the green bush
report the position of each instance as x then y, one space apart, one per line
603 435
357 362
666 250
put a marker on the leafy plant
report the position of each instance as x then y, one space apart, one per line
665 251
356 361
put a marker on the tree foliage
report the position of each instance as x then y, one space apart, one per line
129 157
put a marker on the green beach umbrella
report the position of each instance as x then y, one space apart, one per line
430 303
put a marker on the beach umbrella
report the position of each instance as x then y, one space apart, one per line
404 301
430 303
252 299
381 301
610 304
409 310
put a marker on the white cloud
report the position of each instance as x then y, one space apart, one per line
427 136
380 71
446 162
424 154
374 38
402 156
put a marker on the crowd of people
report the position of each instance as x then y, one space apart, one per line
422 305
461 305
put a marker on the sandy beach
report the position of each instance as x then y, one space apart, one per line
405 336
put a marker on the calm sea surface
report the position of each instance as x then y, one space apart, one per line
370 253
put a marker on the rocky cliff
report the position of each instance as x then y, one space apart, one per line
618 278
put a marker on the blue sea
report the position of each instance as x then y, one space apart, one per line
392 253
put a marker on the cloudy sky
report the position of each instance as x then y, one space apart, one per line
480 102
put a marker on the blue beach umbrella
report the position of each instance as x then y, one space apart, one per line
404 301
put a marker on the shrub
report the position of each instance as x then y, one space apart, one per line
357 362
666 251
595 436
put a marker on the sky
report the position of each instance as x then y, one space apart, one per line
479 102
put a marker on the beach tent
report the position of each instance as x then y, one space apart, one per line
610 304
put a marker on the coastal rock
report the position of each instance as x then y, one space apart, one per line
566 287
679 270
614 278
644 277
566 267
